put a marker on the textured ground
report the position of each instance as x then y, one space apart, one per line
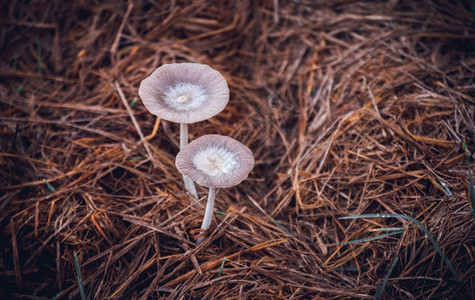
350 107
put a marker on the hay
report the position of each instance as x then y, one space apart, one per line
350 107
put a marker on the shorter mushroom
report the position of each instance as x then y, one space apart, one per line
214 161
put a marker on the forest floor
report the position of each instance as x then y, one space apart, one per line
349 107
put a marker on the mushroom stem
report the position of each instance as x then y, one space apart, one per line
208 213
189 184
183 135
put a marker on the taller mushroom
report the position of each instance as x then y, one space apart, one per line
184 93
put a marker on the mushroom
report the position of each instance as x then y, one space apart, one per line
184 93
214 161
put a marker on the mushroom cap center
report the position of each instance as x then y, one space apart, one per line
215 161
183 99
185 96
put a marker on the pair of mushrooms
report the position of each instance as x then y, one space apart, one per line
186 93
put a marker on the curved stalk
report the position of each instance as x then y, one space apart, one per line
189 184
208 213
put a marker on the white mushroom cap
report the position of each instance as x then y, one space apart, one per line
215 161
184 92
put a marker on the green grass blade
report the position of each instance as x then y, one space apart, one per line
472 17
381 287
79 277
15 63
471 189
50 187
222 266
389 229
282 227
429 236
372 238
443 187
136 158
40 60
133 102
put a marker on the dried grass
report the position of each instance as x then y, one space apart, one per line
350 107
